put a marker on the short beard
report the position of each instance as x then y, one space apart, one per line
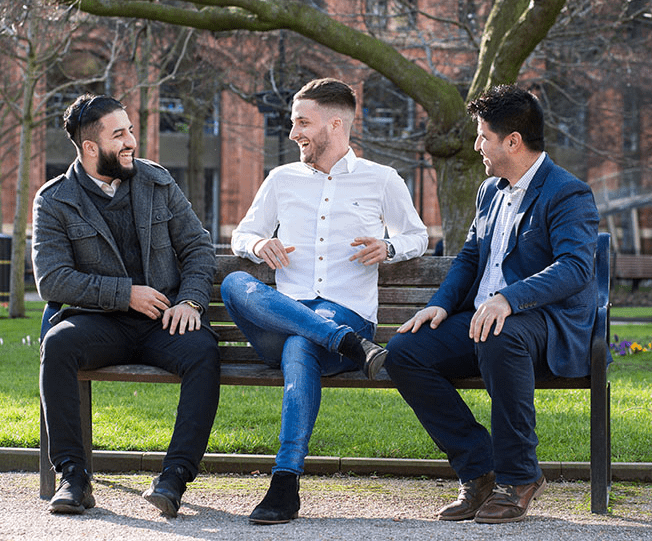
108 165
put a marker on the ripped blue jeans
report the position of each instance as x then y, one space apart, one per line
300 337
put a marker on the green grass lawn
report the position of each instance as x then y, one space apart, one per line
352 422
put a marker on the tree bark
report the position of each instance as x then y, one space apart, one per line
18 244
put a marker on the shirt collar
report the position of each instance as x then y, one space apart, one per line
524 182
109 189
346 164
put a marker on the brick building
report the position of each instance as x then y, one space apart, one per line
600 124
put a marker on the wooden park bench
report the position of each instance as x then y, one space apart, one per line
634 267
404 288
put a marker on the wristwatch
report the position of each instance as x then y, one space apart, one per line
391 252
194 305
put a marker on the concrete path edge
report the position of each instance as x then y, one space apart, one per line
21 459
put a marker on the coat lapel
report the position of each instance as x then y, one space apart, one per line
533 191
74 195
142 192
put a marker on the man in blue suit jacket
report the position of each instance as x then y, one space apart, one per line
517 305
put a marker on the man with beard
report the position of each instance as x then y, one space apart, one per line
320 223
116 240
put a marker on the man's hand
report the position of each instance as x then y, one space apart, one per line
148 301
434 314
375 250
494 310
273 252
181 317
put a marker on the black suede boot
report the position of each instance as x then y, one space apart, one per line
281 503
75 493
369 356
166 490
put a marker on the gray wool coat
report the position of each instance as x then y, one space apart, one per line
77 262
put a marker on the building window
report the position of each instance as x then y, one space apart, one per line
387 111
376 14
406 14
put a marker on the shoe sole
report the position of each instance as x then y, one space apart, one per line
263 521
162 503
518 518
68 509
376 364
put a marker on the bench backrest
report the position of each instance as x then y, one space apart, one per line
404 288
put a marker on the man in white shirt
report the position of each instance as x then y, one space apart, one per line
517 305
320 223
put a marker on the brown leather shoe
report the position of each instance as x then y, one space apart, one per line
472 495
509 503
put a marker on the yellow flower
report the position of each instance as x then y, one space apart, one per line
636 347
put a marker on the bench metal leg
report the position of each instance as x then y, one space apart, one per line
600 430
46 470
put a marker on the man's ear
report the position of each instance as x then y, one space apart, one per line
336 122
514 141
89 148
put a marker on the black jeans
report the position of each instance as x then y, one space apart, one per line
89 341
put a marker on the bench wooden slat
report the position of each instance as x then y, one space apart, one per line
417 296
631 266
258 374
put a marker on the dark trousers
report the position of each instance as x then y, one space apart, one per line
89 341
422 364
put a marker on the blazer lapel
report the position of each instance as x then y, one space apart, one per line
533 191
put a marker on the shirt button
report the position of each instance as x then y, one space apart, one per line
327 199
321 258
321 240
319 279
323 217
330 178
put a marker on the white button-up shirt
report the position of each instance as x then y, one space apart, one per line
320 214
493 279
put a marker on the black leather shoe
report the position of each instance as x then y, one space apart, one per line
369 356
166 490
75 493
281 503
472 495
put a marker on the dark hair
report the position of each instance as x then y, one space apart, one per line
329 93
508 109
84 115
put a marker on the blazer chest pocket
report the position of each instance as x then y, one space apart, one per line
84 240
160 233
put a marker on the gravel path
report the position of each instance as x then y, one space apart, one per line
338 507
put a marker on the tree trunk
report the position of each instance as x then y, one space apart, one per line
17 278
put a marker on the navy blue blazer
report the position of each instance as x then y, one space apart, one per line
548 265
